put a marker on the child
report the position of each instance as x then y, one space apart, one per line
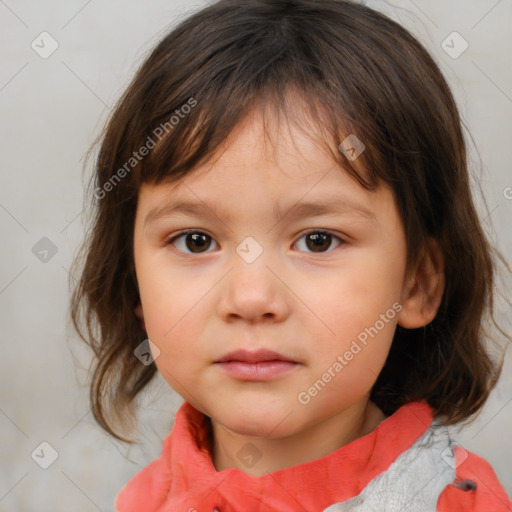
331 329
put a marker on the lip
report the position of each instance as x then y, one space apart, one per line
255 366
257 356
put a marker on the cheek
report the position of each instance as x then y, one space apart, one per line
351 367
178 338
355 318
343 303
167 295
356 352
175 324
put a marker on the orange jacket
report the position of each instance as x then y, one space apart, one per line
407 463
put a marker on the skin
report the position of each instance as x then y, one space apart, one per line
310 306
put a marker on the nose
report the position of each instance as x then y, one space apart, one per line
254 292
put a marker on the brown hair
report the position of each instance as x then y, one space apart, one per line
361 73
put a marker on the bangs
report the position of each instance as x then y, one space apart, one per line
201 133
344 87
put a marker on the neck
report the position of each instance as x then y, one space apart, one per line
230 449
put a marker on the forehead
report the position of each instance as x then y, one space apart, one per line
293 176
283 149
278 168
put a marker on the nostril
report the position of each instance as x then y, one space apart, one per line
466 485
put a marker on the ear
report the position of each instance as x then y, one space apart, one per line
140 315
423 291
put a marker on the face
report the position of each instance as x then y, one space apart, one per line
285 252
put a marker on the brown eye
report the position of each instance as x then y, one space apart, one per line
319 241
192 242
197 242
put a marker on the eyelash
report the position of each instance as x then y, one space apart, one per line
172 239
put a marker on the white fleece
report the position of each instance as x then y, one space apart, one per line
413 482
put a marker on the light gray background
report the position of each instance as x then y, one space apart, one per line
51 111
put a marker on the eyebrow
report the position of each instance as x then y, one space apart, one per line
330 206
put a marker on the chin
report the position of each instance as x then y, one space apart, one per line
258 423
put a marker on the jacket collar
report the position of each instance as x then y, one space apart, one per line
185 479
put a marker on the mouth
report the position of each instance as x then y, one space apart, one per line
256 366
259 356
